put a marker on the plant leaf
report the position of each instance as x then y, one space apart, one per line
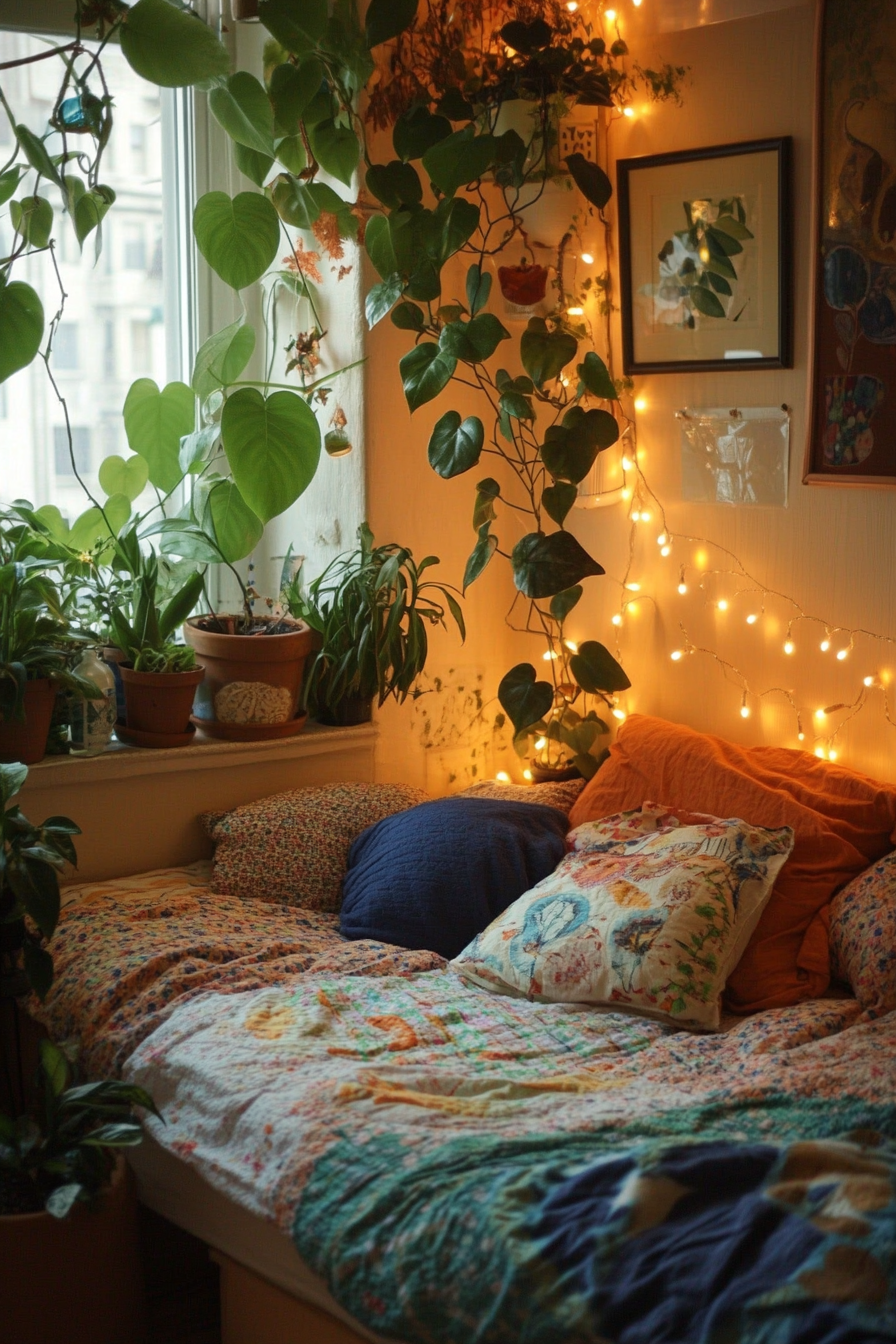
382 297
155 422
545 353
169 46
480 555
21 327
459 158
523 697
455 445
479 285
36 153
425 371
596 376
563 603
706 302
395 184
244 109
487 491
54 1065
336 149
595 669
38 966
32 218
273 447
292 88
387 18
222 358
124 476
234 527
238 237
591 180
416 130
298 25
546 564
473 341
558 499
408 317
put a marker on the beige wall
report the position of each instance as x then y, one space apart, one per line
831 549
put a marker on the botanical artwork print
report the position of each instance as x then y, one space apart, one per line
854 424
701 266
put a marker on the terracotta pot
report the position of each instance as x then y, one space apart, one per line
250 680
77 1278
244 11
27 742
553 774
160 702
349 712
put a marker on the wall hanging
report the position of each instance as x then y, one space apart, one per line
705 258
735 456
852 434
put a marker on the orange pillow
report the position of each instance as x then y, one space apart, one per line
842 821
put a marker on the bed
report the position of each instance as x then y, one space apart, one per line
417 1159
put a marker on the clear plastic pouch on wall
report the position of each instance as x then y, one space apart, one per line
735 456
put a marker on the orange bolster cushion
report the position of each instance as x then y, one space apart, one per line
842 821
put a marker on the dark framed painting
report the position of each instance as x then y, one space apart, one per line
852 419
705 266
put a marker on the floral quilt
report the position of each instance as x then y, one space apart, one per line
467 1168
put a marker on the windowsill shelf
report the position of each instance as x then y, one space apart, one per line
123 762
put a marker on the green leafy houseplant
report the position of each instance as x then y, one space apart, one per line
64 1153
31 858
146 637
370 610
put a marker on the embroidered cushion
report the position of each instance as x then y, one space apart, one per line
561 795
292 848
863 936
649 913
434 876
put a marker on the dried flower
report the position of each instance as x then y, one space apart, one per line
305 262
304 352
326 230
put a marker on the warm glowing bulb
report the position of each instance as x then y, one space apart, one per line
637 4
722 605
752 618
820 713
676 655
540 743
745 711
801 737
628 111
564 381
633 587
610 15
820 752
645 515
627 464
662 539
665 550
626 494
789 646
619 714
682 588
636 516
571 645
641 404
832 755
616 620
587 258
841 654
527 776
550 655
867 681
825 645
572 6
575 312
502 777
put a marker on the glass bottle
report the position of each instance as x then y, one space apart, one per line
92 721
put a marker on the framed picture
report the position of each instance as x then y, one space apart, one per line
852 367
705 258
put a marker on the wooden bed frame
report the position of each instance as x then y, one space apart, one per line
254 1311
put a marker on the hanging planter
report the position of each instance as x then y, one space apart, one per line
523 288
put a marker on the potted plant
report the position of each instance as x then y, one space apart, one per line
35 645
160 677
369 610
68 1207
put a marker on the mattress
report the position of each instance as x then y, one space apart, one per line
177 1192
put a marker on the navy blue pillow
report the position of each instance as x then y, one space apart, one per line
436 875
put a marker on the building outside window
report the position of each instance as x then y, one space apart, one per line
80 446
65 346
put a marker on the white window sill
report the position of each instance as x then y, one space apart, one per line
123 762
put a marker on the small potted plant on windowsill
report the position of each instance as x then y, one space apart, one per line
369 611
160 677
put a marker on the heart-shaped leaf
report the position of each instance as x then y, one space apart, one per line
473 341
546 564
300 203
243 108
557 501
292 88
10 180
387 18
336 149
408 317
595 669
591 180
563 603
459 158
124 476
595 375
155 422
36 153
479 285
487 492
273 447
569 449
32 218
21 327
480 555
455 445
238 237
235 528
195 449
222 358
170 46
381 298
416 130
90 210
524 699
395 184
298 25
425 371
545 353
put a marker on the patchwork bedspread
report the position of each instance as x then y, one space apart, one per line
464 1168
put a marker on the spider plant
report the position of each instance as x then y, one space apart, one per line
370 610
144 630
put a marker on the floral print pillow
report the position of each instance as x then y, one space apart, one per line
292 848
650 912
863 936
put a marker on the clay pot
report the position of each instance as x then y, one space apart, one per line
553 774
160 702
27 742
244 11
348 713
252 682
89 1266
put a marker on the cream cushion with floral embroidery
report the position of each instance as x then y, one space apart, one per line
863 936
292 848
650 913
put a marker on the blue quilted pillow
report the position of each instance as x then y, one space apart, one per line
435 876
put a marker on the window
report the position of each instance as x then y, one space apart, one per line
108 348
62 457
65 346
138 147
135 248
141 348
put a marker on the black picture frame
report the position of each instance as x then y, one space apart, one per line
633 180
